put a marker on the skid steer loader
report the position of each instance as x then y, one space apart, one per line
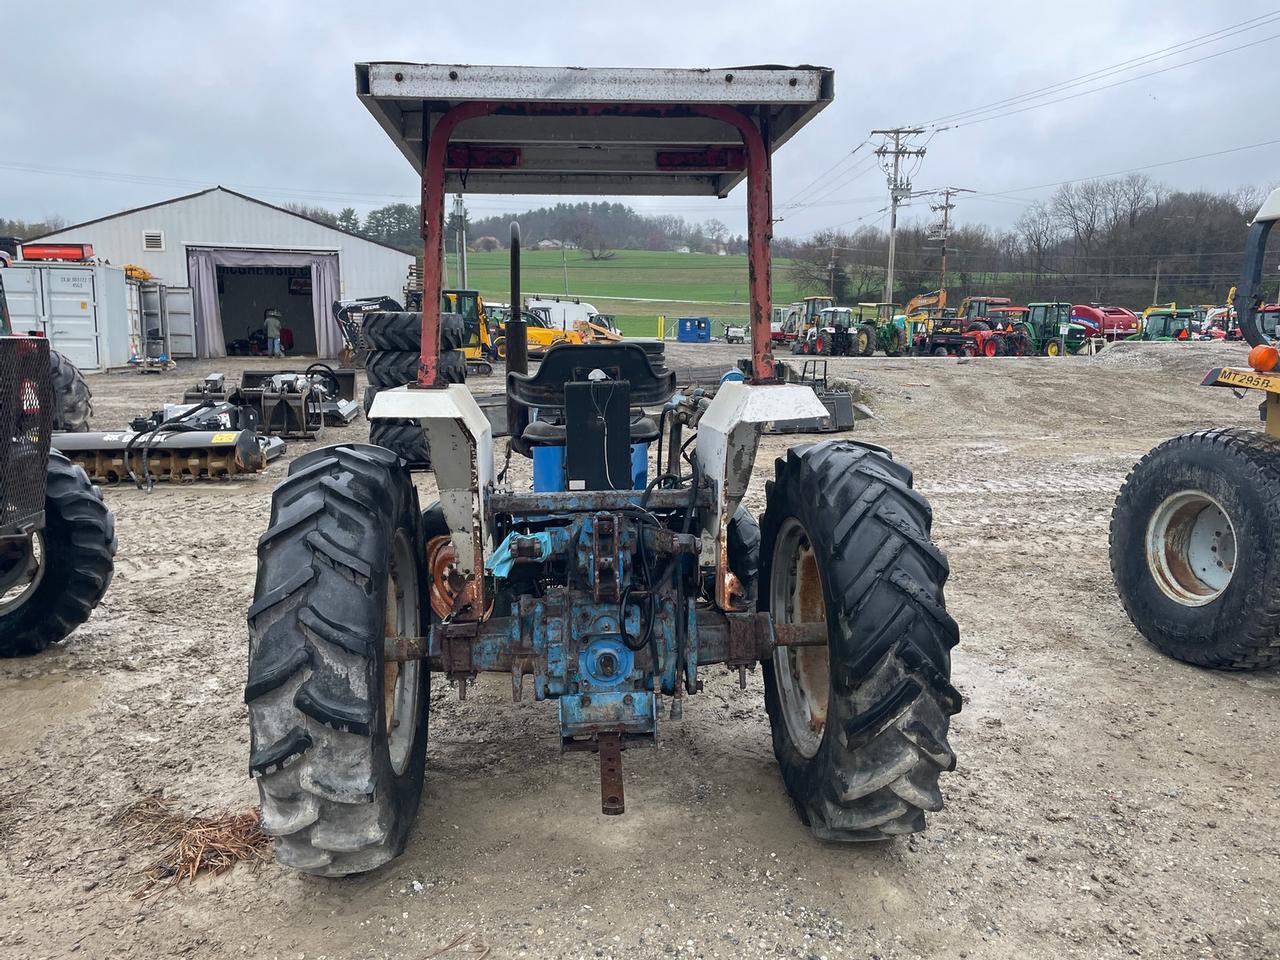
1195 526
631 564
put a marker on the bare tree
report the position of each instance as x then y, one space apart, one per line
1080 209
1039 232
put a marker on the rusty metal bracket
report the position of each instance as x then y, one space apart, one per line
456 642
402 649
604 550
609 746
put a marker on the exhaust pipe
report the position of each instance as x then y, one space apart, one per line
517 348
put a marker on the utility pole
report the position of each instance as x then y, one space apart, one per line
944 229
831 273
460 217
564 265
1155 294
899 186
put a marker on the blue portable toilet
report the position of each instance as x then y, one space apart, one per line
694 330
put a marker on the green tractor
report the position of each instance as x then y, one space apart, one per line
1167 323
882 327
1051 330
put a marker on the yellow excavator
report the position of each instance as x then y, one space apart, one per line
920 312
482 342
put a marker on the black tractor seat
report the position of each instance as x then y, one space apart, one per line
574 362
552 433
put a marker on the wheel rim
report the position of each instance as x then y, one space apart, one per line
989 348
400 687
1053 348
803 673
1191 548
19 581
862 341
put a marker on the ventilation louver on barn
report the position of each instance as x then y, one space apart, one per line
153 240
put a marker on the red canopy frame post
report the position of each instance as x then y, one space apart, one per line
759 214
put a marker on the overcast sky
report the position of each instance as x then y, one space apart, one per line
113 105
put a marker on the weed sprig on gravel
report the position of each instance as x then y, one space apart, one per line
190 845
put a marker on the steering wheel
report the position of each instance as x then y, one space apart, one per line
328 378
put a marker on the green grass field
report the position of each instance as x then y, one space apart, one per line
614 286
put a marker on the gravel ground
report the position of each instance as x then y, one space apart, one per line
1108 802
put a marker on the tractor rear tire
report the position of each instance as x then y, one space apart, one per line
893 346
395 368
979 325
860 725
337 573
867 347
1193 548
402 330
404 438
72 403
78 544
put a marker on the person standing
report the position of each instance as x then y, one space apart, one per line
272 319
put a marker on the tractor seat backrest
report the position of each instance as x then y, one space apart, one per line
573 362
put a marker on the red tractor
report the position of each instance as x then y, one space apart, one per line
57 537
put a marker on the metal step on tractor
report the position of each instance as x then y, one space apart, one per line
632 564
1195 526
57 537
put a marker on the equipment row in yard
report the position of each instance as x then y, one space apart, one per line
984 326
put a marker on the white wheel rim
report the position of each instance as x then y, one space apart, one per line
803 674
28 581
400 680
1191 548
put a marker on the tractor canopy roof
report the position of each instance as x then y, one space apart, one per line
573 130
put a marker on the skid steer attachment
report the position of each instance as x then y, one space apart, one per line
631 564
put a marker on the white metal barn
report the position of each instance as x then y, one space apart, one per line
241 256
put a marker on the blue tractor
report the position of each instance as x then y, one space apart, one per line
630 563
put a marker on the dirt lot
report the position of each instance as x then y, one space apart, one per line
1108 802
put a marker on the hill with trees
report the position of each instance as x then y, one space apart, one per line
1128 240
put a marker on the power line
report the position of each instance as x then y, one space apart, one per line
852 175
1119 173
819 178
1102 72
1083 93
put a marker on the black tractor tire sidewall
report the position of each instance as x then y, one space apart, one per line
801 489
80 546
332 604
72 405
1240 469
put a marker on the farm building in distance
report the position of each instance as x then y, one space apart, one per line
240 256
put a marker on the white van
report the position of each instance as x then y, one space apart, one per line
563 312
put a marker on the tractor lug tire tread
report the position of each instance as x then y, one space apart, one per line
80 547
876 771
1239 630
329 795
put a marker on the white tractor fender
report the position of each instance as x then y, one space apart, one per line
461 442
728 435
